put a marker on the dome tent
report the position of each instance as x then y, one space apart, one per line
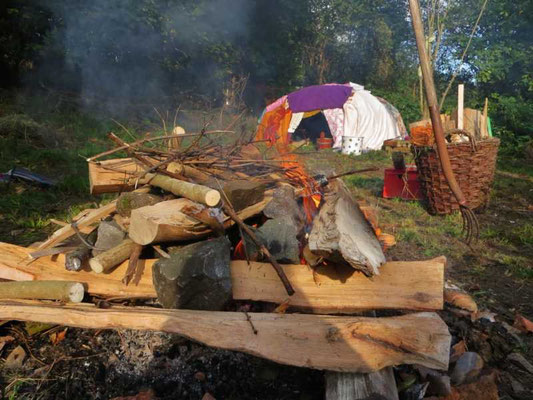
349 110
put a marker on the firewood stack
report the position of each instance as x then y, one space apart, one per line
199 225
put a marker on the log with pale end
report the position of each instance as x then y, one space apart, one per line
14 266
326 342
109 259
192 191
43 290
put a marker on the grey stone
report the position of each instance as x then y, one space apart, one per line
280 238
109 235
243 193
284 205
195 277
519 360
467 368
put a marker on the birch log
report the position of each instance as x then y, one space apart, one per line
109 259
43 290
192 191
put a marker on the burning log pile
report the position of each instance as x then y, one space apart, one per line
211 230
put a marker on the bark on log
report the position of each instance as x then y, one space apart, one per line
348 344
109 259
341 233
353 386
414 285
43 290
127 202
189 172
14 258
191 191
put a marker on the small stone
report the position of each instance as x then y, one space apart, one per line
467 368
15 359
195 277
439 385
199 376
520 360
109 236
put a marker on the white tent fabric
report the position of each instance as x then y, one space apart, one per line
365 116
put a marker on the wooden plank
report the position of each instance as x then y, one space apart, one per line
347 344
67 231
16 257
416 285
112 176
354 386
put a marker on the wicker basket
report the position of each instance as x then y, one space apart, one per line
473 164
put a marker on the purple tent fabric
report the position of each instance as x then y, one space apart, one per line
319 97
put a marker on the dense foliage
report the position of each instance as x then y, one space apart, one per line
202 51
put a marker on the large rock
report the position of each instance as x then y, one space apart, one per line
284 205
195 277
279 236
243 193
109 235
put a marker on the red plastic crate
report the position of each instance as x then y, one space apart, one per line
395 185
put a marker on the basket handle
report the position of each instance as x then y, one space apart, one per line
470 137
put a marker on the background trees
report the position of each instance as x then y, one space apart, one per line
187 51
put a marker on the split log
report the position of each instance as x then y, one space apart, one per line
165 221
43 290
341 233
13 265
109 259
91 217
191 191
353 386
347 344
414 285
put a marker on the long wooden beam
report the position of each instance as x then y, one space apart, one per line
414 285
348 344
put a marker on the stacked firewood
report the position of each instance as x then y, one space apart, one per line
198 225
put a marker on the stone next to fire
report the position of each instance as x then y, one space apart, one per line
195 277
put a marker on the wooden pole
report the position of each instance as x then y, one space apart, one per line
470 221
460 106
192 191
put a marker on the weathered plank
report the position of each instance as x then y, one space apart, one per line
348 344
354 386
113 176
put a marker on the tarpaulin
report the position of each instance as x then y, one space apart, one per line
318 97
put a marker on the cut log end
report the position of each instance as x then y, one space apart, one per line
76 292
212 198
96 265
